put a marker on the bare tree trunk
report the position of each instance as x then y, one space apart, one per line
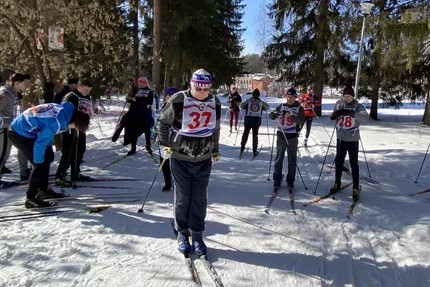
156 65
321 46
426 117
135 20
376 78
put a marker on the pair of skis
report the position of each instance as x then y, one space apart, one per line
51 211
254 156
351 208
191 266
273 196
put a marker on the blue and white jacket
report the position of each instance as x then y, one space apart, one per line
42 122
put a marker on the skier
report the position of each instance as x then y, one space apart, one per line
349 114
254 108
194 117
32 133
233 100
70 155
138 119
290 118
308 102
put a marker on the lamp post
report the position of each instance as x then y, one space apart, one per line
366 7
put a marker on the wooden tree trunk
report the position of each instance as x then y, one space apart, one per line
156 65
319 60
135 20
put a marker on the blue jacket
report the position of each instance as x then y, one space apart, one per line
42 122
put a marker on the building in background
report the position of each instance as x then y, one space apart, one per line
250 82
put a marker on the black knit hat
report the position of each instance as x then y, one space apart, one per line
256 93
72 81
19 77
348 91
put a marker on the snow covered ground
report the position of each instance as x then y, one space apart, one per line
385 243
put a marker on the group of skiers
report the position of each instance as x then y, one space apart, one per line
188 130
33 130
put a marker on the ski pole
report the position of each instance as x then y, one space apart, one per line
140 210
76 160
325 158
120 114
227 116
271 153
268 131
367 164
238 128
321 124
424 159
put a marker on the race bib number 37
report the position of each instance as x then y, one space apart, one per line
198 118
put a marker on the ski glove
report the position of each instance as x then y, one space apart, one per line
337 114
348 113
165 152
274 115
216 156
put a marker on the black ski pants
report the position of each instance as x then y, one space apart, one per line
40 173
308 121
190 193
69 157
351 148
248 127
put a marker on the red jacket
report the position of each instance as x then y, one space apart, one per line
308 102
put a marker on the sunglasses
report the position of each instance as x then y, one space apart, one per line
202 89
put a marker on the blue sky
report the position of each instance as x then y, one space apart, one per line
250 35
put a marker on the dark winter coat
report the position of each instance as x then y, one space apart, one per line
234 101
58 97
139 118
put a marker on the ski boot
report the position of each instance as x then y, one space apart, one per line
305 142
34 202
184 242
198 244
356 193
81 177
49 193
335 188
132 150
63 182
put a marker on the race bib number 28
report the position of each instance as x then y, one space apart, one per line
346 122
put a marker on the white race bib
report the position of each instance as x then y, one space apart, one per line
198 118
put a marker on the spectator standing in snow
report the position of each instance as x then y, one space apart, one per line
290 118
194 117
8 104
254 108
70 155
138 119
70 86
308 102
234 100
349 114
